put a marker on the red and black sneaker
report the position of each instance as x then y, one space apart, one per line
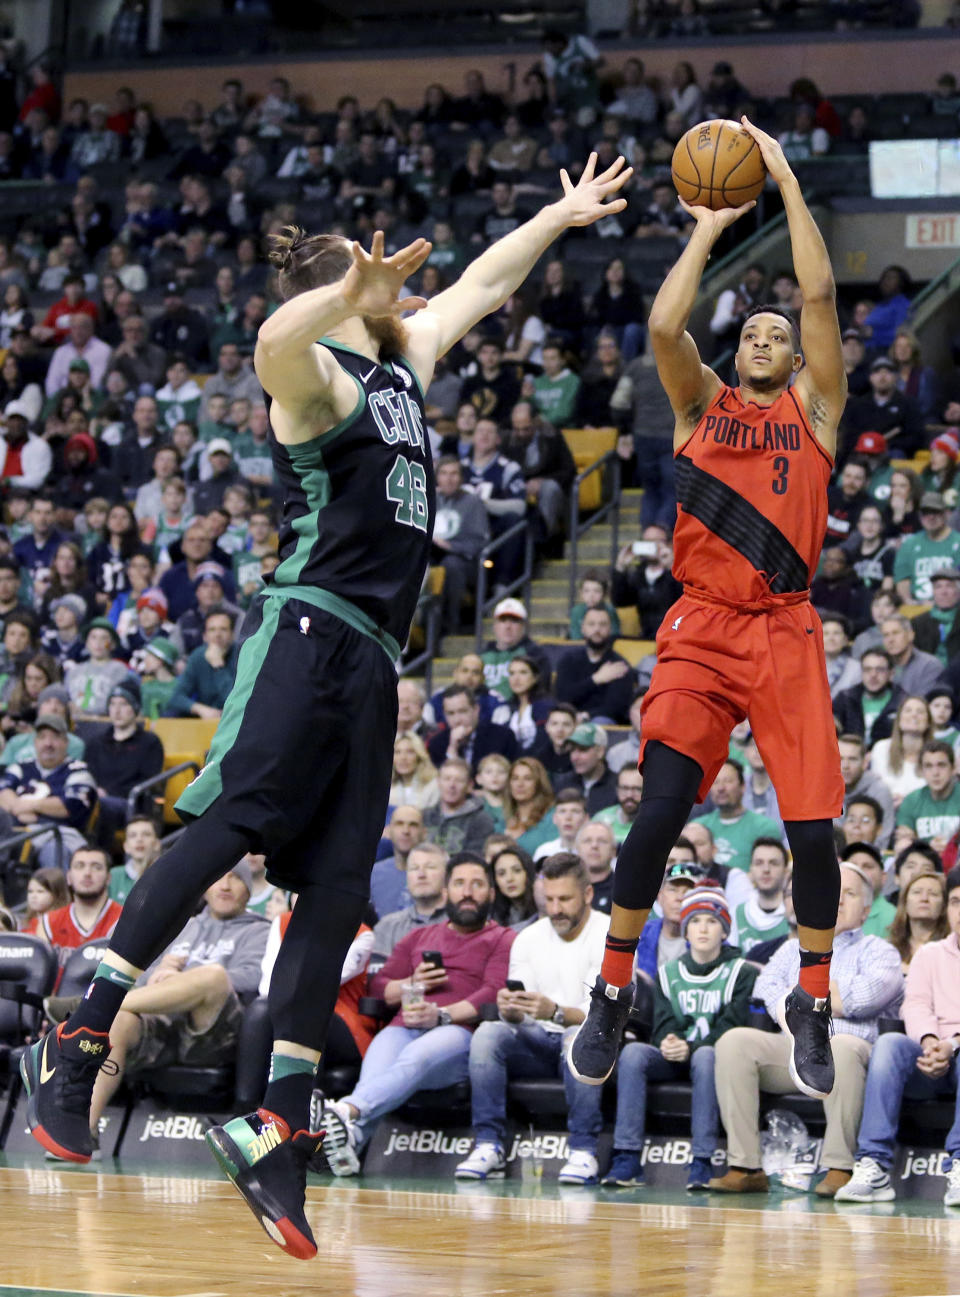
268 1167
58 1073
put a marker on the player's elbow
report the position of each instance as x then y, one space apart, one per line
823 292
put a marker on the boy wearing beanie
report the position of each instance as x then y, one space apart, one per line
696 998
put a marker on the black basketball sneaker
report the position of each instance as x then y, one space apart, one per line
268 1166
58 1074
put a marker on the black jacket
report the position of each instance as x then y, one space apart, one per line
926 630
545 455
848 709
118 766
487 738
651 598
601 795
575 685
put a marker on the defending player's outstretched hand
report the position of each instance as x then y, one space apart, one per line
372 284
584 202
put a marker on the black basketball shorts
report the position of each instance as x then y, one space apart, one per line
303 756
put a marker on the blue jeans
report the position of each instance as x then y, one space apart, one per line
639 1064
655 473
401 1061
499 1050
891 1078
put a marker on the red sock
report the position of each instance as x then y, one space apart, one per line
618 956
815 972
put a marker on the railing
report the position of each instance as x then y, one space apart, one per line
424 661
15 872
138 790
612 506
486 604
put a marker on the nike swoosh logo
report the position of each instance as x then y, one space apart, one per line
365 378
45 1072
809 630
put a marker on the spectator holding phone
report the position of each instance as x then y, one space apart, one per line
551 964
457 966
642 576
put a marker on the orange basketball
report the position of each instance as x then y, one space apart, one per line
717 164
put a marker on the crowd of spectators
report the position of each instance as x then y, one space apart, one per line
139 518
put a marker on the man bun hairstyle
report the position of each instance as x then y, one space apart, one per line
306 261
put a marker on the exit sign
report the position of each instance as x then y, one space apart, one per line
933 230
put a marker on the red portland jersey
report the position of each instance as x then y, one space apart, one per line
62 930
752 500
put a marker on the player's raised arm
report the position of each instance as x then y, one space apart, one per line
688 383
487 282
291 366
822 383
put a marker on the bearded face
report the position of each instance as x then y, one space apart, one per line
389 333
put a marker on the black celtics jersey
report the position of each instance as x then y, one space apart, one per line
359 500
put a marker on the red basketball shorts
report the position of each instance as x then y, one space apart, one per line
717 665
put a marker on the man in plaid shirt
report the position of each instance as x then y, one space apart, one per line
866 984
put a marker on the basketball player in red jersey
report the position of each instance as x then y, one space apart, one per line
752 467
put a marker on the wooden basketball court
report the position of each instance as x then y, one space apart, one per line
83 1231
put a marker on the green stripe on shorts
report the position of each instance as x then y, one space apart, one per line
198 796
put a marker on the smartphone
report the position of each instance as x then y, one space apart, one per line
514 985
644 549
433 957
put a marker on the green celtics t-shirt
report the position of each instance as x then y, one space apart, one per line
928 818
121 884
252 458
615 820
872 705
755 925
495 665
556 398
734 839
246 571
919 556
878 488
155 694
877 922
944 619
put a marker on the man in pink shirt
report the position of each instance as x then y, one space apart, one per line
461 964
923 1064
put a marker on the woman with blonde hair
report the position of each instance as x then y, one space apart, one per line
414 774
528 804
914 378
921 915
897 759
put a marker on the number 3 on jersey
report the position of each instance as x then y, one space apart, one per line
407 488
781 468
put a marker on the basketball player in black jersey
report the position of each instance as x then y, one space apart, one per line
301 763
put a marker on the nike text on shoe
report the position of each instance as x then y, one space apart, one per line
870 1182
268 1168
339 1139
580 1167
486 1162
58 1074
593 1052
808 1025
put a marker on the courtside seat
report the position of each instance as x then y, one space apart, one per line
28 970
80 967
629 622
586 446
184 738
634 650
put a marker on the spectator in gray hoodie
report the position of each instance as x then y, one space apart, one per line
459 821
187 1006
460 532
